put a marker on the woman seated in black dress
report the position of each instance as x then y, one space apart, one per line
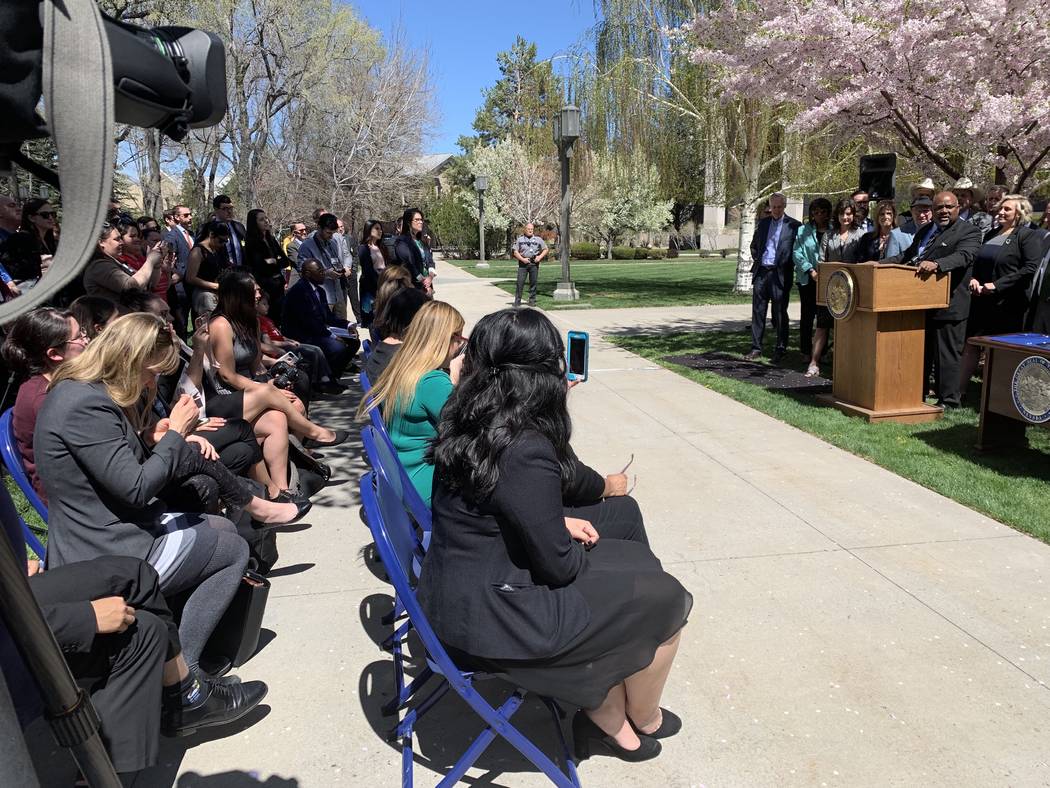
581 617
232 389
1002 273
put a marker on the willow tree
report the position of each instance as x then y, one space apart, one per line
647 91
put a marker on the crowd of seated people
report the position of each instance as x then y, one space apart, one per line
150 426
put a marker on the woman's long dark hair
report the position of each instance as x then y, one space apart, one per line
406 221
397 312
236 303
29 208
513 380
366 234
31 336
91 311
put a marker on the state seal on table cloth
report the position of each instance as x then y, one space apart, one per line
1031 389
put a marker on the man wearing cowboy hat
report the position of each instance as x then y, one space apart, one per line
969 196
924 188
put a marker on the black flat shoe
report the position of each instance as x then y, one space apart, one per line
301 507
340 437
670 724
588 739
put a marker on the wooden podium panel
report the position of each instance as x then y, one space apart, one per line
879 346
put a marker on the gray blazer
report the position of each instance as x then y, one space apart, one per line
101 481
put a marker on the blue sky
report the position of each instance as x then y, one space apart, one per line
464 37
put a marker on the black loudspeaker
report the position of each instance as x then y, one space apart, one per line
878 175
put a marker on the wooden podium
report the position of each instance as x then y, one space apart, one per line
880 331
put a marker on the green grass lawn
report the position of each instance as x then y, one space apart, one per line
25 509
626 283
1010 487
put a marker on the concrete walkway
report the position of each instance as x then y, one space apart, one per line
850 627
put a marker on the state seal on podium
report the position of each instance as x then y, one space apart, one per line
841 295
1031 389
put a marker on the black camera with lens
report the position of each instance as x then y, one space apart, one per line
284 375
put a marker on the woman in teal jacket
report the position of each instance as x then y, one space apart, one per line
807 255
414 387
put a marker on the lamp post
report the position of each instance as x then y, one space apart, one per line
481 183
566 132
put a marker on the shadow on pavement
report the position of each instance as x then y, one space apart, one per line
448 729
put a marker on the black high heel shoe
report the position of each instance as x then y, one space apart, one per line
588 739
670 724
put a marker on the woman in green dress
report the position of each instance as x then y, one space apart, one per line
415 386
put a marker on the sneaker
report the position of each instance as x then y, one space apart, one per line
219 704
754 355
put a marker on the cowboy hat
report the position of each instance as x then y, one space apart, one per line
966 185
925 185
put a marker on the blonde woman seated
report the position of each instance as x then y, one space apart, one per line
413 389
103 484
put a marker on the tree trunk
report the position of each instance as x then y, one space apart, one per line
714 178
152 202
747 230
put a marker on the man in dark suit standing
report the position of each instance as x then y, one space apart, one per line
223 206
945 245
308 318
772 271
182 242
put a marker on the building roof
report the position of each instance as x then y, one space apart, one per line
429 164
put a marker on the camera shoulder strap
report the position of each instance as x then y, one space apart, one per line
78 104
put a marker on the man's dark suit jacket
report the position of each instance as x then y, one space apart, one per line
306 317
954 251
784 262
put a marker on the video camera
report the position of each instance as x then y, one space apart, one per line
92 72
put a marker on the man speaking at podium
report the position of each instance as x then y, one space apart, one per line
945 245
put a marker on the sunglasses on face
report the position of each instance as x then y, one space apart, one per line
45 214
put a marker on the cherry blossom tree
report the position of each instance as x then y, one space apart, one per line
948 81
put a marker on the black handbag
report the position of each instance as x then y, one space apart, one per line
236 636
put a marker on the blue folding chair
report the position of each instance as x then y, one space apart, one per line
385 464
12 460
397 544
